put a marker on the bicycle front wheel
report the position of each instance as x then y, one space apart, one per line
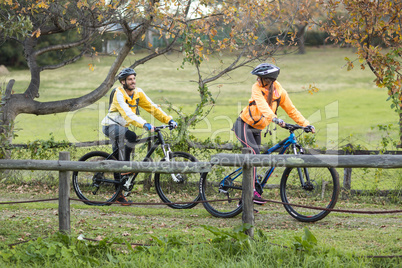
320 189
96 187
178 187
222 187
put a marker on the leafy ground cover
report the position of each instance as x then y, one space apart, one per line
341 237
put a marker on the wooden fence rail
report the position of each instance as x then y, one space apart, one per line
341 161
106 165
246 160
336 161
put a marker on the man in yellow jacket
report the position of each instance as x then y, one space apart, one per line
124 111
266 96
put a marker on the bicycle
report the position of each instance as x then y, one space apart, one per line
317 187
96 188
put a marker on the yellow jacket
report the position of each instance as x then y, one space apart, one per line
124 109
259 114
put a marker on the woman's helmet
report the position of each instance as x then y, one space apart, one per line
126 72
266 70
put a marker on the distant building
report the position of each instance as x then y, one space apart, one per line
114 40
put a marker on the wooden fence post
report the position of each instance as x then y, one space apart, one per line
64 196
347 175
248 195
147 177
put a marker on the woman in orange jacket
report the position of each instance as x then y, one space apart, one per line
266 96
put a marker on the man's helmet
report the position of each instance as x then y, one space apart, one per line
126 72
266 70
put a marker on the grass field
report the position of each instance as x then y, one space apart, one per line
342 239
345 109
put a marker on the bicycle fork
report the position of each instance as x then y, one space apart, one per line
304 178
169 158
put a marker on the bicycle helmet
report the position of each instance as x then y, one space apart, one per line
266 70
126 72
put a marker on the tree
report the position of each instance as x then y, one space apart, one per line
298 16
197 28
374 28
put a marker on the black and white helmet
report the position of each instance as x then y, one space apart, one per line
126 72
266 70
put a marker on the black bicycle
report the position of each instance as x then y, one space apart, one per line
95 188
299 188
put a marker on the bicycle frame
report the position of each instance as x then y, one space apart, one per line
282 147
157 140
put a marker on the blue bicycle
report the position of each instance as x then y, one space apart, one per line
314 187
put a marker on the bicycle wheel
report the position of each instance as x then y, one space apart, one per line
223 184
96 186
178 187
321 191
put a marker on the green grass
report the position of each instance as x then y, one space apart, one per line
179 238
345 109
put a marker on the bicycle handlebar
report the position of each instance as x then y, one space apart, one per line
159 128
292 128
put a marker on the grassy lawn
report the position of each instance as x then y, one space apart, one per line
376 234
345 109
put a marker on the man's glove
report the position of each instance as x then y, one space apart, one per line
148 126
172 124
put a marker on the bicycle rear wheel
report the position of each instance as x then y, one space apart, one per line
178 187
322 191
223 184
96 186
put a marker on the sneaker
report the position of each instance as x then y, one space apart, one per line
123 201
257 199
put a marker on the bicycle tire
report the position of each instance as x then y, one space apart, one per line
172 191
83 182
321 195
209 191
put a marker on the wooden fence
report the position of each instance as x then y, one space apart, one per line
347 150
246 160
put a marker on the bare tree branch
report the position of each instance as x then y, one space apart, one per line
64 63
62 46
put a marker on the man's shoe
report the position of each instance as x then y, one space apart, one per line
257 199
123 201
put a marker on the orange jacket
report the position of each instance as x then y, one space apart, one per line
259 114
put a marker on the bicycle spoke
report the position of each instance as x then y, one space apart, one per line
178 187
228 192
95 186
320 191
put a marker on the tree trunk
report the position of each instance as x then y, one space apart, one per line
301 30
6 122
400 125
